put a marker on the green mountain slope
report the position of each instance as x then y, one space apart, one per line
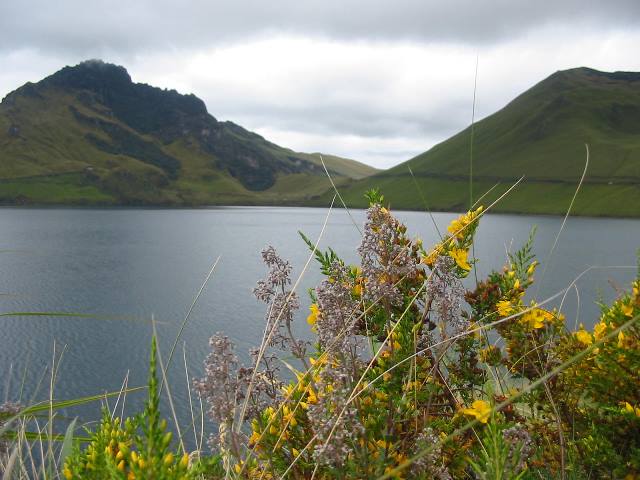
541 135
89 135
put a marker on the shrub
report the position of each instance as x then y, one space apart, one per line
412 377
409 376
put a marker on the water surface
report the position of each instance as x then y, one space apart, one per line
126 266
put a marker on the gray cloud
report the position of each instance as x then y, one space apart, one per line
367 122
377 81
127 27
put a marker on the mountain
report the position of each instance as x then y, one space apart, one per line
89 135
542 135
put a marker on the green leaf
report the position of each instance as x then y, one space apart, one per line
67 442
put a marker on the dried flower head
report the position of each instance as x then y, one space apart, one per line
282 302
446 292
429 465
385 255
521 446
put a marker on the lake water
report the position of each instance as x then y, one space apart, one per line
123 266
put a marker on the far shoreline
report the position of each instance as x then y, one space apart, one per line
138 207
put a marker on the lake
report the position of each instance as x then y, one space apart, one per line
121 267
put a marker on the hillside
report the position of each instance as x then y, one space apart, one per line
89 135
541 135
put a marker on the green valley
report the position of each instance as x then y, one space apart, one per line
540 135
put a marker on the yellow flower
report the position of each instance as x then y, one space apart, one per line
288 390
357 290
479 409
313 316
383 444
184 461
627 309
532 268
432 256
600 330
631 409
456 227
624 341
255 436
516 284
504 308
583 336
460 256
312 398
535 318
295 452
67 473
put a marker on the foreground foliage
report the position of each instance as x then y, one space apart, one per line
412 377
409 376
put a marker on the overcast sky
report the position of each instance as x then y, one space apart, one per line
377 81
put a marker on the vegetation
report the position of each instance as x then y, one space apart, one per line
123 143
409 376
539 135
136 144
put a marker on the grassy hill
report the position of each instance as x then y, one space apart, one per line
541 135
89 135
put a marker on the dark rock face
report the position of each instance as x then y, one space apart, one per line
168 116
149 110
124 142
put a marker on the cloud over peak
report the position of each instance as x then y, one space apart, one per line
376 81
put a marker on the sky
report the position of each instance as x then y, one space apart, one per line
376 81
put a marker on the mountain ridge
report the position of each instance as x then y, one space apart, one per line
137 144
541 135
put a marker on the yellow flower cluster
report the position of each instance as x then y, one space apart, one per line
277 424
583 336
432 256
479 409
505 308
536 318
628 408
458 226
313 316
460 256
457 244
622 309
118 451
